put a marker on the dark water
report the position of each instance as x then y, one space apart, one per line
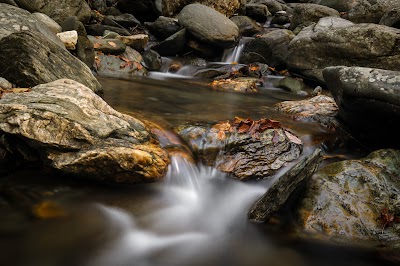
197 216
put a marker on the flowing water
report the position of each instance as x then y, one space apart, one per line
196 216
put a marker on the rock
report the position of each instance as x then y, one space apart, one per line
370 11
58 10
280 18
152 60
15 19
291 84
69 38
336 42
85 51
321 109
81 135
246 25
281 190
204 50
243 155
391 18
272 5
137 42
72 23
242 85
118 66
257 12
33 60
344 200
110 35
163 27
270 48
49 22
365 95
112 10
173 45
227 7
124 20
99 5
98 30
339 5
5 84
306 13
108 46
208 25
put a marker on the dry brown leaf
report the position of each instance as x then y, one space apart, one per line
221 135
113 44
97 45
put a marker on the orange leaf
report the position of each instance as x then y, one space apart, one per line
97 45
221 135
113 44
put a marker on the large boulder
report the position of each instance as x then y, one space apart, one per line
243 148
72 129
339 5
31 60
58 10
368 100
334 42
352 201
14 19
208 25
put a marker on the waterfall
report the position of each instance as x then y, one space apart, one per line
233 54
201 206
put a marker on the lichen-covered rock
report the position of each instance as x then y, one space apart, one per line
346 200
75 131
226 7
31 60
239 152
241 85
306 13
14 19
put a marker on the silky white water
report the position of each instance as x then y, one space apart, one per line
200 207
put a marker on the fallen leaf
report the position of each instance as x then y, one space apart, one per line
48 209
97 45
113 44
221 135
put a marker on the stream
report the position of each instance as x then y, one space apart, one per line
196 216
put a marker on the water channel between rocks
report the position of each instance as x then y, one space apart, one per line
196 216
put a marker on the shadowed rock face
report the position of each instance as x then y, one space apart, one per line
31 60
75 131
242 155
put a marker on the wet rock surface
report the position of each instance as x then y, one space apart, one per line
346 201
75 131
321 109
240 153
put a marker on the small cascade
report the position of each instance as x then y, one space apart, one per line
233 54
200 205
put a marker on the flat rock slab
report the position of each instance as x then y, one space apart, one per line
245 149
74 130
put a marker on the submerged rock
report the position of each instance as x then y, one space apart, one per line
241 85
75 131
242 148
347 200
